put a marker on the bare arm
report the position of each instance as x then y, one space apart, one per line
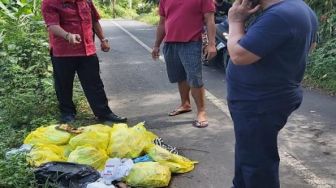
211 27
160 34
238 54
60 32
98 30
105 47
238 14
210 50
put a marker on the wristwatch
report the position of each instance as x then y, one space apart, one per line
104 40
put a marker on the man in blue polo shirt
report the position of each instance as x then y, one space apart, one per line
263 79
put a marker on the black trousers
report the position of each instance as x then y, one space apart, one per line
87 69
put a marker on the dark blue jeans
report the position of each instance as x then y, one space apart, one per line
256 150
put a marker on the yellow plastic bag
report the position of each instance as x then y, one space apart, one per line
148 174
48 135
92 138
67 149
176 163
97 128
90 156
43 153
129 142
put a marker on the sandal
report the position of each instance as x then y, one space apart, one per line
200 124
179 111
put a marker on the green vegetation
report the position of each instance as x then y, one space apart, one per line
27 97
26 85
142 10
321 70
150 18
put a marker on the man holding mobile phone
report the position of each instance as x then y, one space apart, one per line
70 24
267 65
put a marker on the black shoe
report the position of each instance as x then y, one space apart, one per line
67 118
113 118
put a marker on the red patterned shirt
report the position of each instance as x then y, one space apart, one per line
75 17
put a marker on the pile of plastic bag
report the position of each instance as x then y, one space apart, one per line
97 144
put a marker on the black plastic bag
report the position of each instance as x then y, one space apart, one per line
66 175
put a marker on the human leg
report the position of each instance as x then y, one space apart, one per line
88 73
177 74
64 69
190 54
256 149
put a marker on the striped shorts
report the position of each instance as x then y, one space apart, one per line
183 61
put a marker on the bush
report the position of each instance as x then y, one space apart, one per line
27 96
124 12
150 18
27 88
144 8
321 71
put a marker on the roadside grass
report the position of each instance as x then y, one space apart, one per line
321 70
15 171
149 18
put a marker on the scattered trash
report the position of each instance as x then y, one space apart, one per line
66 175
176 163
43 153
48 135
145 158
90 156
116 169
149 174
137 156
159 141
25 148
99 184
68 128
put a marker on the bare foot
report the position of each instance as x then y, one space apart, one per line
180 110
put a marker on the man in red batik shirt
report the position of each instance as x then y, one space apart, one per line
71 24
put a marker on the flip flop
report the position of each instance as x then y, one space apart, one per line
200 124
179 111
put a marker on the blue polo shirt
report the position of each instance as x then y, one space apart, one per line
281 36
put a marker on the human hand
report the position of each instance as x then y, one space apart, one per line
74 38
156 53
105 47
241 10
210 52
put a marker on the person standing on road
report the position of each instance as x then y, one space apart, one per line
70 24
180 26
263 80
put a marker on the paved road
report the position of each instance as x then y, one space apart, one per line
138 88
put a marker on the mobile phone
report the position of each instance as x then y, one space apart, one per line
255 2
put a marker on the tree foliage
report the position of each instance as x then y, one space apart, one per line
25 74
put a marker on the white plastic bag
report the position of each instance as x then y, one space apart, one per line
99 184
116 169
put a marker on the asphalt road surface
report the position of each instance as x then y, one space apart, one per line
138 87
